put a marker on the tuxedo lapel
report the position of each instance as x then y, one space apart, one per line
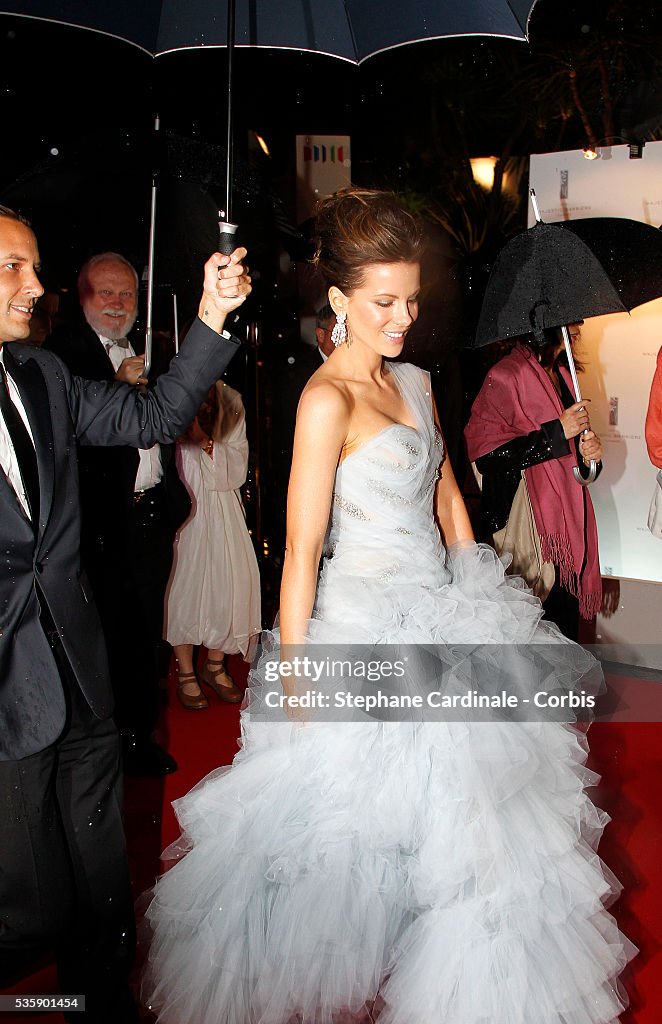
34 394
98 355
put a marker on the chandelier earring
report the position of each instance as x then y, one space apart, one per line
339 332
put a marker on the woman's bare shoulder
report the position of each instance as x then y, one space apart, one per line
325 395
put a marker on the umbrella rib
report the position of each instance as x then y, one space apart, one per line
450 35
257 46
351 30
525 26
83 28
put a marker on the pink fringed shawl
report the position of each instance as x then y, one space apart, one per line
516 398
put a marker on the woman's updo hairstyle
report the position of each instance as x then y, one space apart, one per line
356 228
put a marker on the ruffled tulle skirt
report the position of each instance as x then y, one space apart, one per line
408 871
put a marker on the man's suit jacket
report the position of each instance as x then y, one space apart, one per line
107 475
62 410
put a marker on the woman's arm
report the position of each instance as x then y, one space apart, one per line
549 442
450 511
502 468
321 431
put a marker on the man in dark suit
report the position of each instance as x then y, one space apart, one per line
63 876
132 503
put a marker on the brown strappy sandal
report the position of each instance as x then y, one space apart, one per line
190 701
229 691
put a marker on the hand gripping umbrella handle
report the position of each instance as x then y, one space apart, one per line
590 476
593 467
227 240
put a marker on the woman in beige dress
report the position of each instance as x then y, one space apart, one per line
214 593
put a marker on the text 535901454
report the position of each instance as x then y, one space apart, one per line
44 1004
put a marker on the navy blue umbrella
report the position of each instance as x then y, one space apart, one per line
349 29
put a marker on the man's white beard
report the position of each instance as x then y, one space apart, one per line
109 328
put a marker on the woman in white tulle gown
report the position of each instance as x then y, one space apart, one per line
406 871
213 597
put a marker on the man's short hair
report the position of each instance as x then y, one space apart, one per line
94 261
6 211
324 317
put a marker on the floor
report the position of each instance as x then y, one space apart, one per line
627 756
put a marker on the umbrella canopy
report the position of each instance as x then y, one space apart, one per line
349 29
544 277
628 250
80 204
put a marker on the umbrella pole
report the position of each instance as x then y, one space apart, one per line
150 267
593 468
228 151
227 230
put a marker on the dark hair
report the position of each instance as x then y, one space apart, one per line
207 414
359 227
545 344
10 214
324 317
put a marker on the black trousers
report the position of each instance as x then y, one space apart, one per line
562 608
129 589
64 880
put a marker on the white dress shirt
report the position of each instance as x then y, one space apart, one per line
150 470
8 460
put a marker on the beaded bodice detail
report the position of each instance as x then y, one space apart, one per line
382 508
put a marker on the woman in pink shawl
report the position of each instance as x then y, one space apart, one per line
525 419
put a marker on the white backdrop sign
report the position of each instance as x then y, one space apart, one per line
618 351
323 166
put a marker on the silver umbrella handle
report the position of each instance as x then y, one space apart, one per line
593 467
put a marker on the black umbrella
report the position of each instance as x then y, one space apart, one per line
628 250
558 274
544 277
81 203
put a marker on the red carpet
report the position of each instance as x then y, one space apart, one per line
626 755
